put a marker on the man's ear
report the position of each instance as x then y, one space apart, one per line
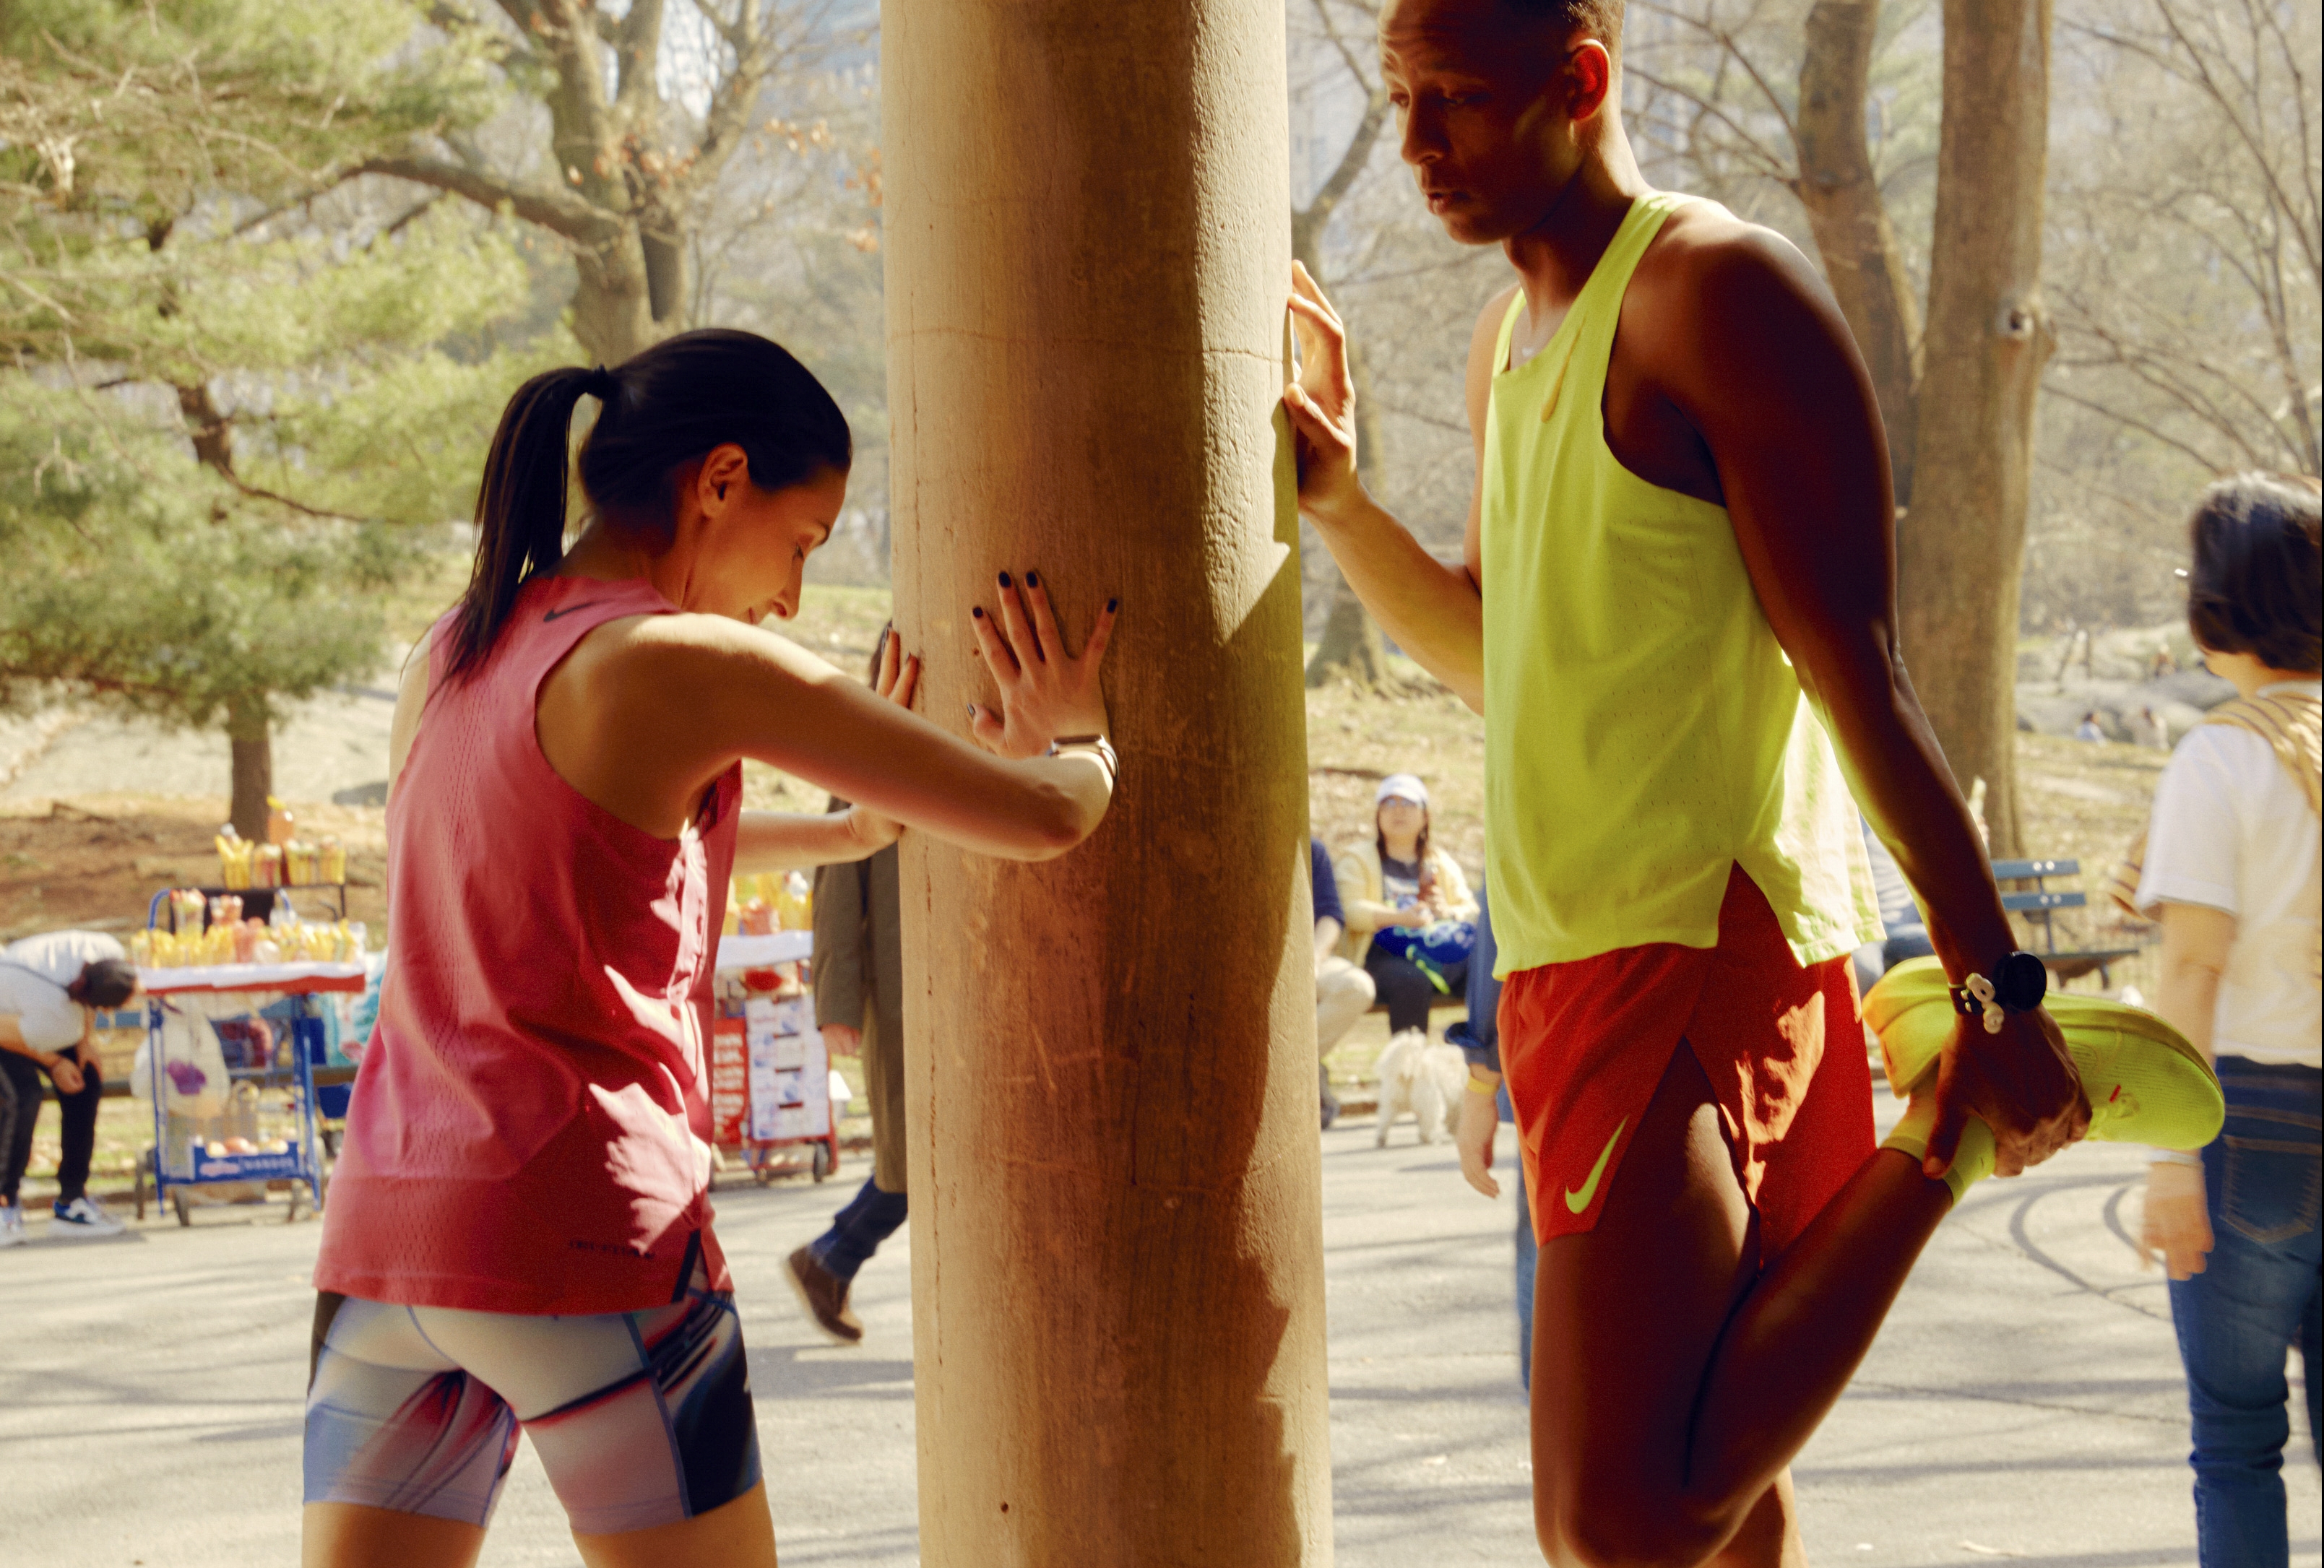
1589 78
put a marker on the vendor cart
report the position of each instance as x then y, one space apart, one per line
253 1057
770 1072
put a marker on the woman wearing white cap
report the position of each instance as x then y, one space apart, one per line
1411 918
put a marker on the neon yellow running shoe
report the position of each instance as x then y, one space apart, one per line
2146 1083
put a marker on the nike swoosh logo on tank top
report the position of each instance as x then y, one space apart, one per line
548 615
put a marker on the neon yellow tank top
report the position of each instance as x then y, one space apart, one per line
1644 729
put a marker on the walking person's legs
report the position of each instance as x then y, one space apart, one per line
2256 1297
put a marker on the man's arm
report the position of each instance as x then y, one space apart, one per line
1431 611
1737 330
60 1066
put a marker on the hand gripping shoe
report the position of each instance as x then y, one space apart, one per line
2145 1081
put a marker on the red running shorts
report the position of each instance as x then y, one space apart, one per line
1584 1043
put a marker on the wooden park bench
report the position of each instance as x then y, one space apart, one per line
2041 903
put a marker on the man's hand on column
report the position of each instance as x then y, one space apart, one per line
843 1039
1480 1119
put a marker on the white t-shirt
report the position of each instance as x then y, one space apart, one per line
34 974
2232 831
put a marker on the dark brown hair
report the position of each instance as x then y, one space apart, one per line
2256 579
103 983
663 408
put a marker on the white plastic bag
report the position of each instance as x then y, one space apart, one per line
192 1063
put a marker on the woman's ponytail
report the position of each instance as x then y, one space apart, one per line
521 506
665 406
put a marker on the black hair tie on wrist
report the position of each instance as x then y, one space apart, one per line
600 385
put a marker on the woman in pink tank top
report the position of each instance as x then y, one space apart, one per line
519 1235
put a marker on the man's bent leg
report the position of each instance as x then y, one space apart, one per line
78 1116
1679 1380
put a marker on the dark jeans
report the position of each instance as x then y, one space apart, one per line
79 1128
1529 1257
1405 989
869 1218
2258 1295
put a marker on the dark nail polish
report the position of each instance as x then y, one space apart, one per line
1032 579
1112 605
978 612
1004 580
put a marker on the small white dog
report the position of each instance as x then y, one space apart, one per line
1424 1079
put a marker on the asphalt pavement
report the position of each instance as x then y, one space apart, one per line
2025 1402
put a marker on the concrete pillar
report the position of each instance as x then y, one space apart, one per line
1117 1257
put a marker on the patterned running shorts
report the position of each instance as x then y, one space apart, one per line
640 1418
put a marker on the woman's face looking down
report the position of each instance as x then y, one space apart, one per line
750 546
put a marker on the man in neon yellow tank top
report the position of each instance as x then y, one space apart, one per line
1676 614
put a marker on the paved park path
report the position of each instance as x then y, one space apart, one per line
2024 1405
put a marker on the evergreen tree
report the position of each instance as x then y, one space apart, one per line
225 395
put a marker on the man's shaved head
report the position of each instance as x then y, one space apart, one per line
1598 19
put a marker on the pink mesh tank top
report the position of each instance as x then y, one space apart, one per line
528 1129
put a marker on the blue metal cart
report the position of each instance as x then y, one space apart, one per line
302 1164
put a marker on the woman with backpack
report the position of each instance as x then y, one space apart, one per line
2231 868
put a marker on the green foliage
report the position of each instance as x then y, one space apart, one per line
236 377
156 586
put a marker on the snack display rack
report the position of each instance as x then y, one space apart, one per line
173 1171
770 1072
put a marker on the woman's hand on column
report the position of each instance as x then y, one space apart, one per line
2177 1224
1046 692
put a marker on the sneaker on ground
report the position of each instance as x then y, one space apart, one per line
12 1225
2145 1081
85 1216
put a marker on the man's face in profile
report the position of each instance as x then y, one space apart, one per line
1480 94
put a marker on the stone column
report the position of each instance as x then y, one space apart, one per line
1117 1257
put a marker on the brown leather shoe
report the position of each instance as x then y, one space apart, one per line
824 1296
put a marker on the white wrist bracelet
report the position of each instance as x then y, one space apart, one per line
2174 1156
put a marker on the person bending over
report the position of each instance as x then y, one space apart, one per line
2232 870
50 988
1677 594
1411 919
518 1235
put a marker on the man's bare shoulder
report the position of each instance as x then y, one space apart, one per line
1712 278
1487 333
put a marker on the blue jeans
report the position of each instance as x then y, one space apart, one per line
2258 1295
869 1218
1528 1259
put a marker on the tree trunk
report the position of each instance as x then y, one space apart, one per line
1117 1254
1351 647
613 309
249 732
1862 257
1961 551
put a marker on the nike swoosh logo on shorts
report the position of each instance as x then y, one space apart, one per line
570 610
1578 1198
